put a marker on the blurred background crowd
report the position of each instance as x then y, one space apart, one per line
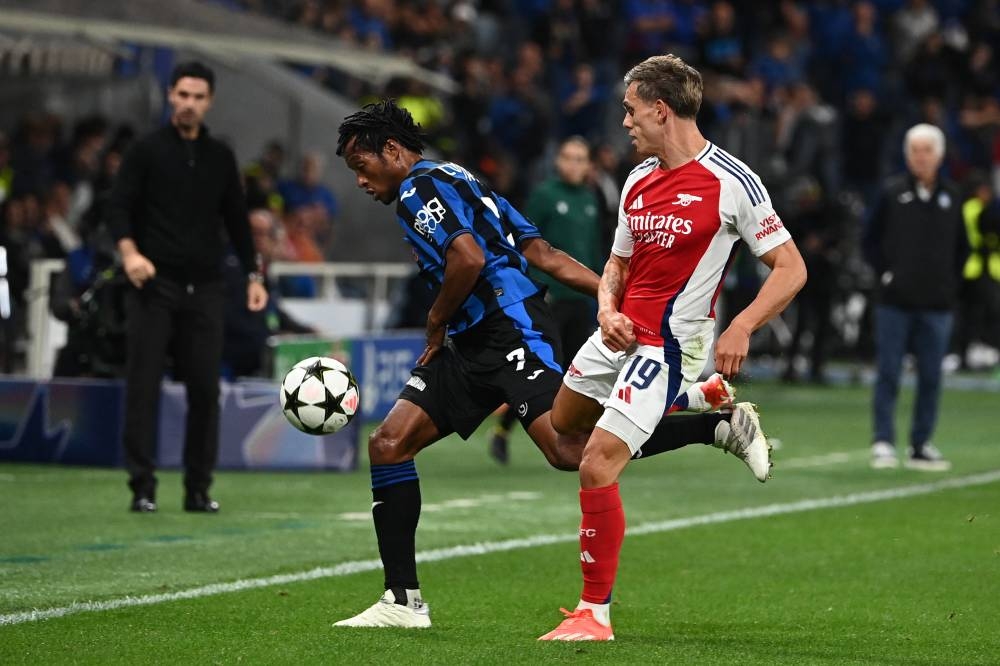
813 96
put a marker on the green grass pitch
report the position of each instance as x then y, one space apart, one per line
882 567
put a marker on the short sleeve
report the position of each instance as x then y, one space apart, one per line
433 212
624 241
752 216
522 226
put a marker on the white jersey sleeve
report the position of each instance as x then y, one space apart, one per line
623 233
749 212
624 240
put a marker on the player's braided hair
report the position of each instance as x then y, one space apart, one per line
375 124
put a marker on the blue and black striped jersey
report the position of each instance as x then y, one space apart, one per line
439 201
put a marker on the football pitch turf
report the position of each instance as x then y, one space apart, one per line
830 562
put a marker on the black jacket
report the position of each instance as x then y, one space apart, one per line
174 198
917 248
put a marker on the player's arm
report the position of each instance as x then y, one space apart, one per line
125 195
788 275
616 328
560 266
464 260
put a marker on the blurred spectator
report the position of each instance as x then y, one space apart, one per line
32 151
58 237
582 105
649 22
311 201
865 128
470 108
298 244
863 54
565 210
933 71
77 164
520 114
606 184
917 246
979 300
777 66
911 25
808 133
262 176
307 189
89 294
246 331
819 228
722 48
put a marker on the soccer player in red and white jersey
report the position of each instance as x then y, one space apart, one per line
682 213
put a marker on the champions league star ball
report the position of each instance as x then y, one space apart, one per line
319 395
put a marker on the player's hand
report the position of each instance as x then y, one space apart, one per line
256 296
138 269
435 340
616 331
731 350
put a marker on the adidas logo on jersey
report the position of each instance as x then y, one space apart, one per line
637 204
686 199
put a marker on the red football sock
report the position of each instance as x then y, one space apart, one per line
602 531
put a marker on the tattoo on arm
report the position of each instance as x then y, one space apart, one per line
612 284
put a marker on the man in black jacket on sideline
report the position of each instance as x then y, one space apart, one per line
916 243
176 190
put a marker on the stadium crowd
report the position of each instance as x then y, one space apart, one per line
814 96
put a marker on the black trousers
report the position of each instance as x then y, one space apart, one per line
185 322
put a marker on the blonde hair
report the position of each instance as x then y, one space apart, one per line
669 78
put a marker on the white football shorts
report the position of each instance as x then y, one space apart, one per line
637 387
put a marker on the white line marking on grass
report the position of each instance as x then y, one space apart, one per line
834 458
7 477
457 503
488 547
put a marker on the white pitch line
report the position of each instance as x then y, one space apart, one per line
834 458
488 547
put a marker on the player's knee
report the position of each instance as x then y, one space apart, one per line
597 469
562 461
386 447
560 423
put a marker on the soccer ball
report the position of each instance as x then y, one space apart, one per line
319 395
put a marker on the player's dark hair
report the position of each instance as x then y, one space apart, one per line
194 70
375 124
669 78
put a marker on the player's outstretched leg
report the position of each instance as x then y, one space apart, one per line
396 510
743 437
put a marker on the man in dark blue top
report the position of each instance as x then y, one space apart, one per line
490 337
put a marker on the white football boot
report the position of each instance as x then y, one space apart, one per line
742 436
387 613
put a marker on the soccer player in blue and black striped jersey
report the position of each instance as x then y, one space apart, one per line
490 337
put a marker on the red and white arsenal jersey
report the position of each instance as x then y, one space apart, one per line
680 228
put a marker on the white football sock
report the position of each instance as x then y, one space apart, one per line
602 612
